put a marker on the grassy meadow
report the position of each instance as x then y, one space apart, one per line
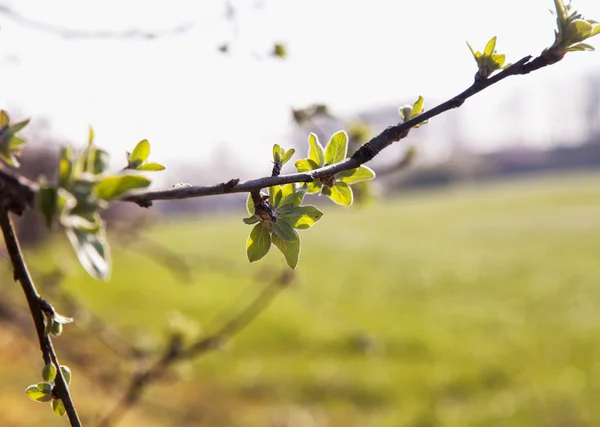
465 307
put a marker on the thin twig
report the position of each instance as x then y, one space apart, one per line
35 307
175 352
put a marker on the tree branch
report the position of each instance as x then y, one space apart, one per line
35 303
364 154
24 191
175 352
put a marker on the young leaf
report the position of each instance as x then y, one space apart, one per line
284 231
250 205
252 220
151 167
302 217
306 165
41 392
112 187
341 193
361 173
58 407
316 152
290 250
47 199
489 47
90 135
140 153
49 372
92 251
337 148
16 127
259 243
276 153
66 373
287 156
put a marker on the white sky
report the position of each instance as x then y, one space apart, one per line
182 95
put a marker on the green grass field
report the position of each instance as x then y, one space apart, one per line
468 307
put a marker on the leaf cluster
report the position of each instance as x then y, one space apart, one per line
276 220
572 29
44 391
336 187
488 61
83 188
10 143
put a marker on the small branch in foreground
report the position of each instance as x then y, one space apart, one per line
22 191
36 305
363 155
176 353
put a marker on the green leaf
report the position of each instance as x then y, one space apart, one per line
313 187
259 243
58 407
290 250
250 205
473 52
287 156
284 231
14 128
295 197
316 152
337 148
276 153
66 373
140 153
417 107
4 119
284 209
41 392
306 165
252 220
49 372
275 195
341 193
91 136
46 200
489 47
100 161
93 252
361 173
55 328
151 167
302 217
112 187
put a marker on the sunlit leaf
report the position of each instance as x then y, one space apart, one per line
361 173
341 193
316 152
259 243
58 407
49 372
41 392
290 250
489 47
337 148
66 373
306 165
151 167
92 251
4 119
250 205
112 187
140 153
302 217
276 153
287 156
